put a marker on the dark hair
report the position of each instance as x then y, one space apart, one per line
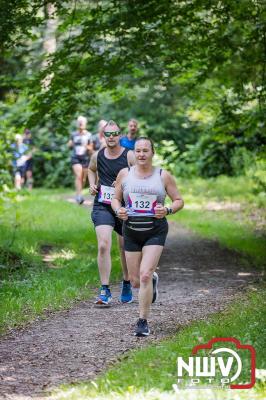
149 140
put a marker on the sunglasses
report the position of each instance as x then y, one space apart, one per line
108 134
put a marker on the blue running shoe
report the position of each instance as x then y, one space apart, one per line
126 293
105 297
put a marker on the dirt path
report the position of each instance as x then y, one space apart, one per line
197 278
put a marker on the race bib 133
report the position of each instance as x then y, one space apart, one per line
106 194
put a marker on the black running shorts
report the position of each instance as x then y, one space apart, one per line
29 165
84 161
20 170
104 215
135 240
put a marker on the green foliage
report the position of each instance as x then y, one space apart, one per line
193 73
52 166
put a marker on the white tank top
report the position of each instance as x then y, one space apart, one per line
142 194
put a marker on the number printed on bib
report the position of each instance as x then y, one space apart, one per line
106 194
142 203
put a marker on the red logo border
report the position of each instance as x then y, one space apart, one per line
238 346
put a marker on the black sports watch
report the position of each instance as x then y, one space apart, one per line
117 211
169 210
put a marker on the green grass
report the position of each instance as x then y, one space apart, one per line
235 235
153 369
240 189
234 229
28 286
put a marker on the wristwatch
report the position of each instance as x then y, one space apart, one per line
117 210
169 210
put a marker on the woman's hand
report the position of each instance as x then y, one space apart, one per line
122 213
160 211
93 190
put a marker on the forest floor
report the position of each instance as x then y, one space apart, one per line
197 277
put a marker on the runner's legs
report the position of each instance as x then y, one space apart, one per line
18 180
133 259
29 179
149 261
77 169
104 239
120 241
84 176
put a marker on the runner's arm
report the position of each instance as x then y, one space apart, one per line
92 174
131 160
116 204
172 191
70 143
90 147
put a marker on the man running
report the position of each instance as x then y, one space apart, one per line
80 141
129 140
103 170
143 189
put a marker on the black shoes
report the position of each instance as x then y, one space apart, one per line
142 328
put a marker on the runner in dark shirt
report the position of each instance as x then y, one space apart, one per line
103 169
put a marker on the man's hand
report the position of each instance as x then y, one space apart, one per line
93 190
122 213
160 211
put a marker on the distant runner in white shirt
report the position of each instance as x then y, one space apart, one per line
82 146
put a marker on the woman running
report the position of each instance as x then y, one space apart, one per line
143 188
80 141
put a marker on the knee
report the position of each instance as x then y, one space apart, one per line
103 247
145 277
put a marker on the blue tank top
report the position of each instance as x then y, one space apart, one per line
127 143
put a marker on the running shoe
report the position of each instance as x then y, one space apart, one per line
155 280
142 328
105 297
79 199
126 293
